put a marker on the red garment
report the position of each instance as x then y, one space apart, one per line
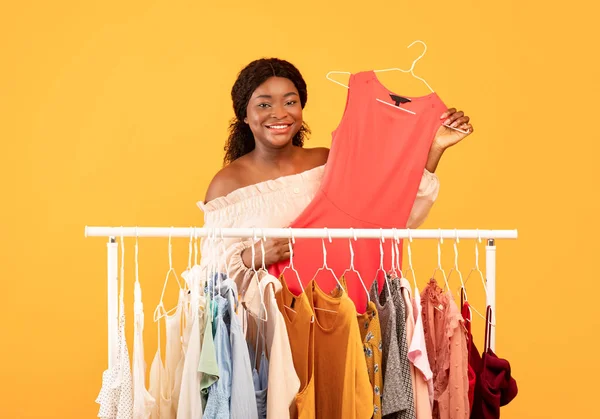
377 158
495 387
466 313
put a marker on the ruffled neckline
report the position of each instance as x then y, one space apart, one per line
260 188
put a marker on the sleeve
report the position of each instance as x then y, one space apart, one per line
426 196
225 256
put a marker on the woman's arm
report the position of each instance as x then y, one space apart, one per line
430 185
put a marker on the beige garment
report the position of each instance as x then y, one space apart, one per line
165 376
283 384
277 203
420 390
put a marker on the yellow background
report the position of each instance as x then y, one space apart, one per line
115 113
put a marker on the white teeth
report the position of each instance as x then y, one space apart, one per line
278 126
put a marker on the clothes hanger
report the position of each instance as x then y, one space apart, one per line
160 311
410 71
291 242
410 265
398 253
455 267
263 269
381 268
258 272
439 265
138 306
327 268
476 269
463 289
392 270
352 269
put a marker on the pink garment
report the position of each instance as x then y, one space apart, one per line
446 343
420 390
376 163
417 353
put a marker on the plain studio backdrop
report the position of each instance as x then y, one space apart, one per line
115 113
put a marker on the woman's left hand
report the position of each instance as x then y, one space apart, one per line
446 137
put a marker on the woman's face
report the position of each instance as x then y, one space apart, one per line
274 113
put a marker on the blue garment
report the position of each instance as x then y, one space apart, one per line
219 393
261 381
243 401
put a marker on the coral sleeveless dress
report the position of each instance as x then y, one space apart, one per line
375 165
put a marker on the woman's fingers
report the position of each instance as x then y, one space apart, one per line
460 121
448 113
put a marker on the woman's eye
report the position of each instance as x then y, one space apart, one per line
263 105
291 103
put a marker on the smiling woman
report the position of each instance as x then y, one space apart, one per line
269 178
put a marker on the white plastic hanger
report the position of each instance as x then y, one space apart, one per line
351 267
463 289
398 254
439 265
410 71
381 268
291 242
258 272
476 269
325 267
410 265
160 310
393 255
455 267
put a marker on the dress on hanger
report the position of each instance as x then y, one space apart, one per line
298 316
417 354
446 342
407 406
116 395
341 379
190 401
143 402
393 389
420 390
495 387
378 155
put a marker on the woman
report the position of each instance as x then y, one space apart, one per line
269 177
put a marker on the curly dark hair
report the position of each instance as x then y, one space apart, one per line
241 141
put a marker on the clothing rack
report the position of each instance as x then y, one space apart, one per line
319 233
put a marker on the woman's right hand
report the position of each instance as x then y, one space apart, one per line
276 250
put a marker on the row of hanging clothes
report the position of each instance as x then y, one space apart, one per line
263 351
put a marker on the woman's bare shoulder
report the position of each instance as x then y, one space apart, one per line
227 180
318 155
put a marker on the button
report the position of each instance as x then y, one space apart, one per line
296 190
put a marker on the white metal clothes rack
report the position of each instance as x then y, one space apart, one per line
319 233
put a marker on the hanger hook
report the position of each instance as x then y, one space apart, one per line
253 251
351 248
262 248
412 67
170 250
439 246
328 234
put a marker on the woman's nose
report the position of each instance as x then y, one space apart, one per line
279 112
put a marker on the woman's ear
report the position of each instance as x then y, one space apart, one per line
245 120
